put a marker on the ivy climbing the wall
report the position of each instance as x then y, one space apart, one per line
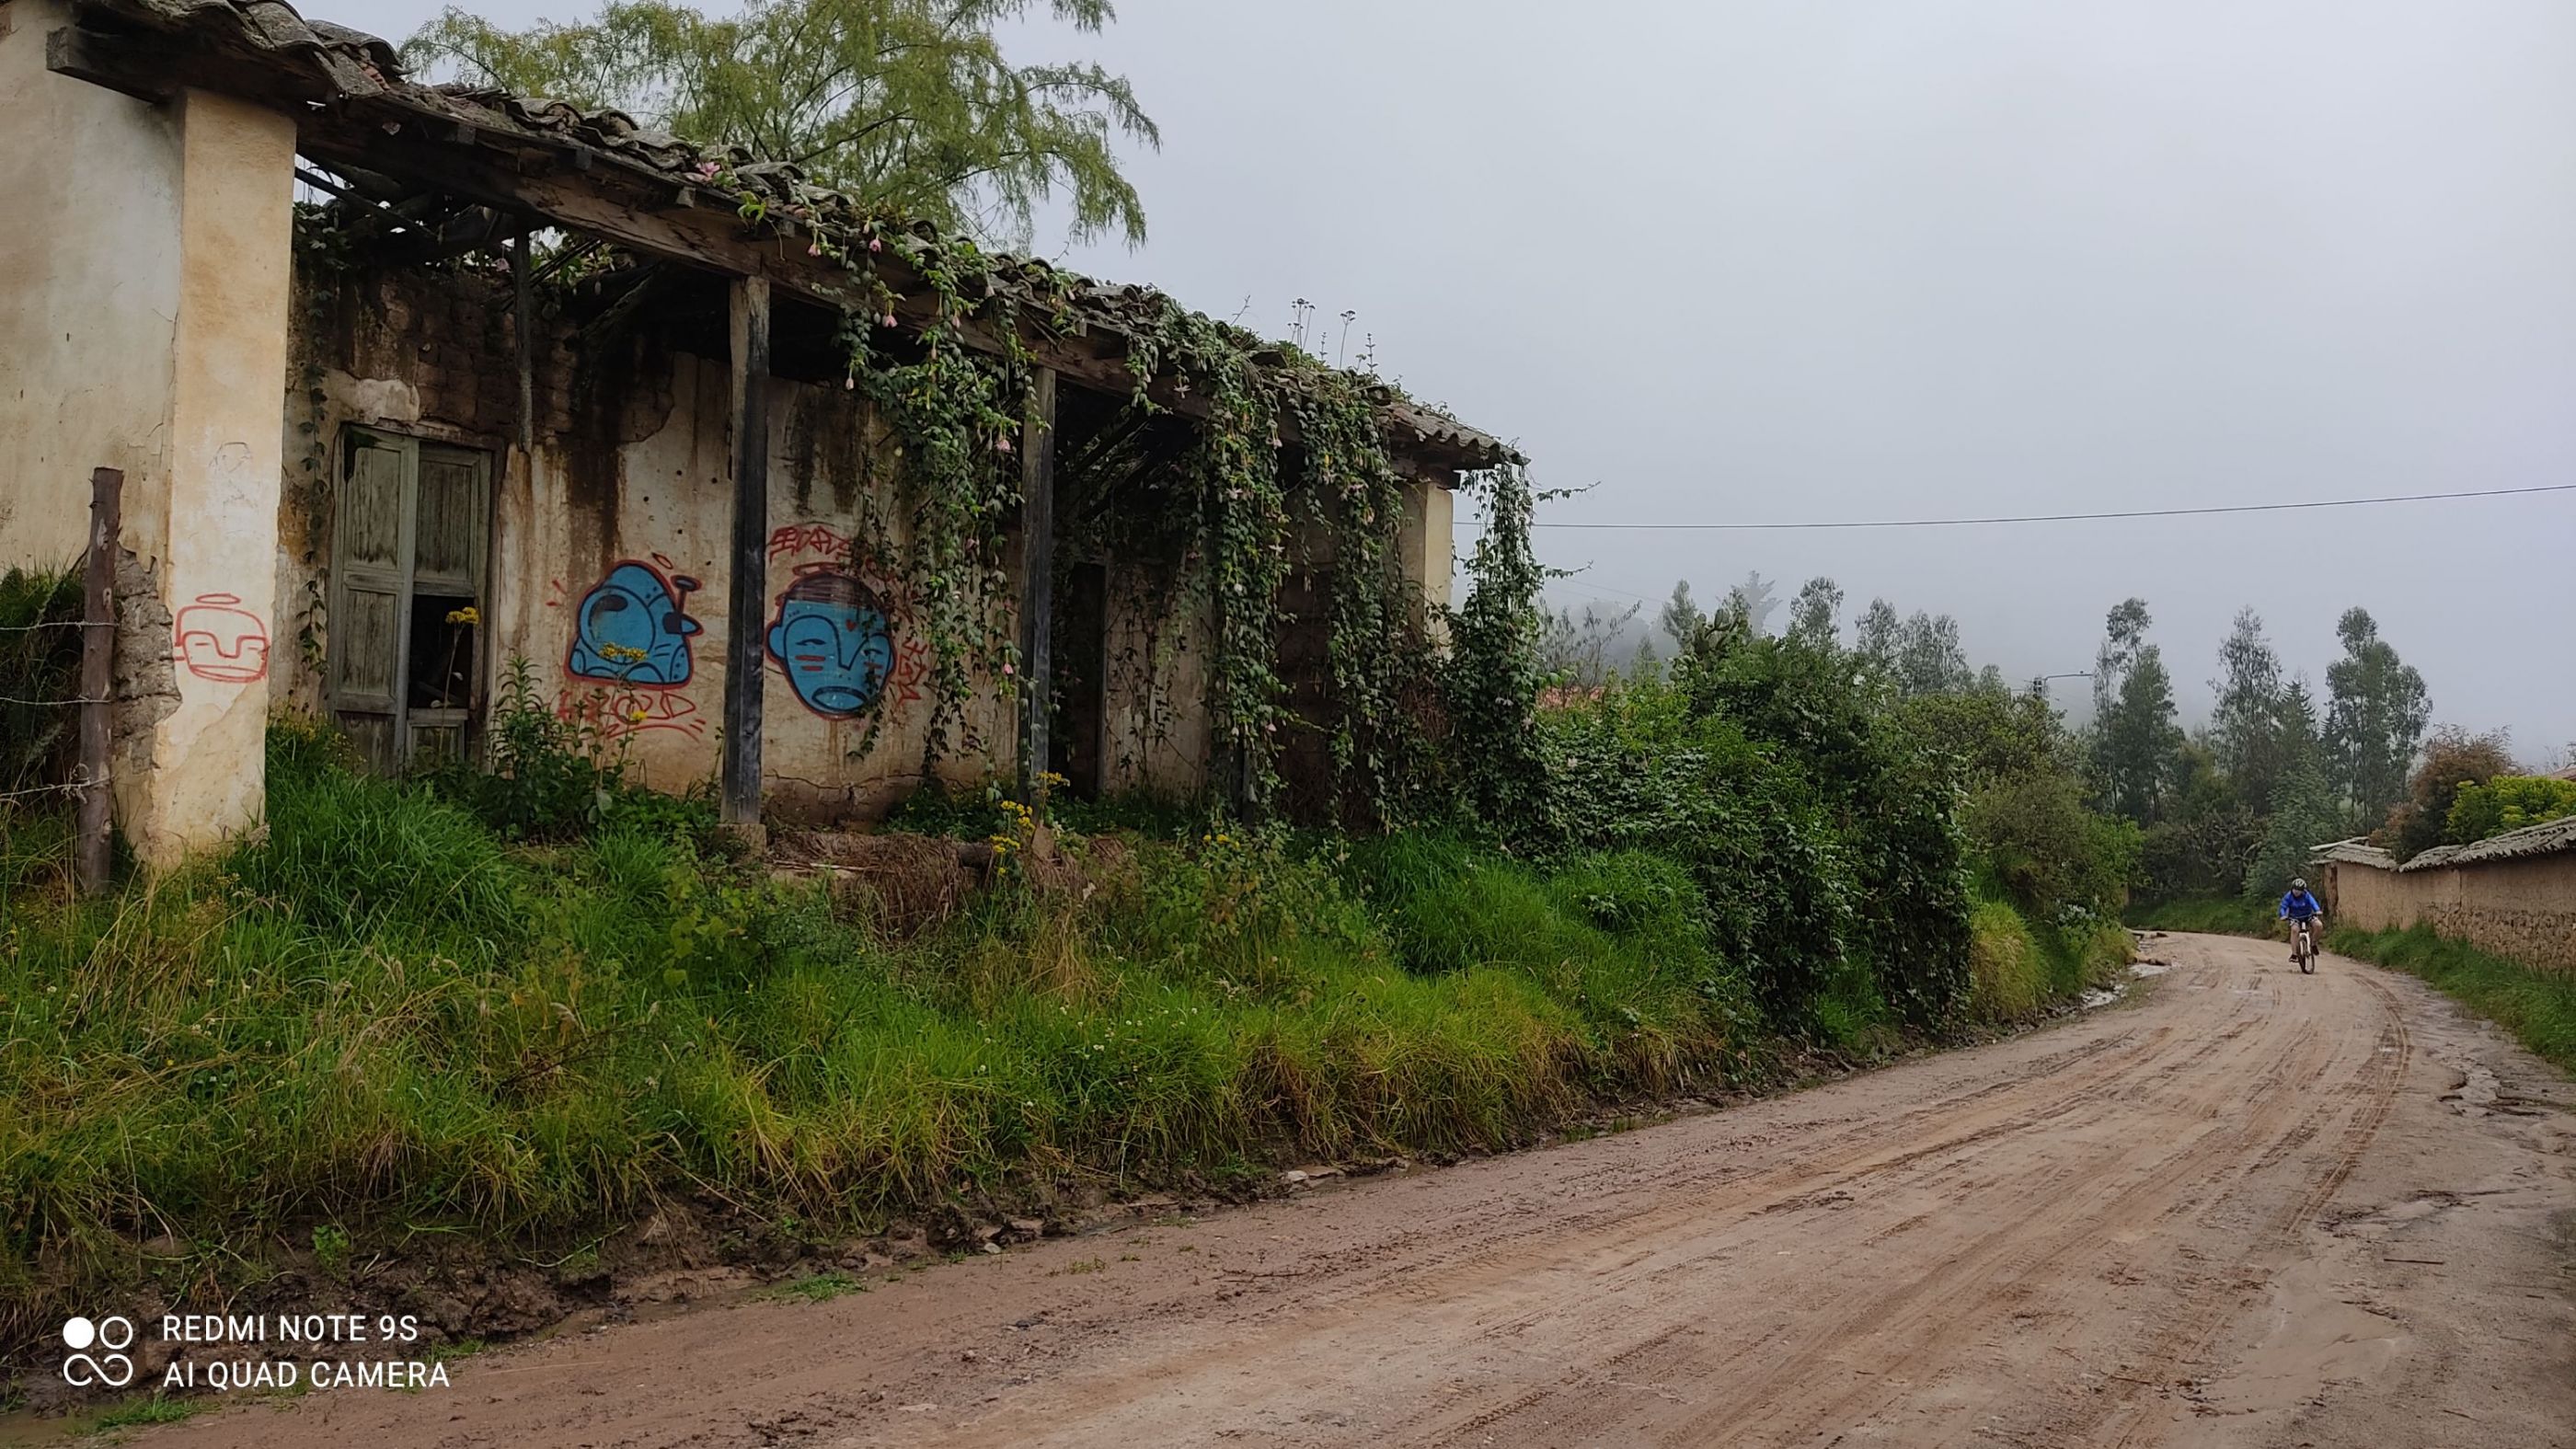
1496 670
1289 467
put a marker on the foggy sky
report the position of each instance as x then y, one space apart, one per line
1737 260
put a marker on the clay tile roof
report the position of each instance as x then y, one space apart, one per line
2547 838
351 59
2356 851
334 62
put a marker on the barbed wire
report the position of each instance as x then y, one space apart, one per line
78 783
75 699
56 624
45 790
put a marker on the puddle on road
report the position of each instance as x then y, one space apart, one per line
2104 995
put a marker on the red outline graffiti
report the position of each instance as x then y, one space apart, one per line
617 713
238 664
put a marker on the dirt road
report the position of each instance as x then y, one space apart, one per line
2248 1207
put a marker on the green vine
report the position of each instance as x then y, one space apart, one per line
952 413
1496 669
956 400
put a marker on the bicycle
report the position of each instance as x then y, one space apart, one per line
2303 945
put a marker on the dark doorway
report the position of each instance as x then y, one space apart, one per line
1075 738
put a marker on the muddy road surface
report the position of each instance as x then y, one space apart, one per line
2245 1207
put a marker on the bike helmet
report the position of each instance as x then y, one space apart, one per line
2298 882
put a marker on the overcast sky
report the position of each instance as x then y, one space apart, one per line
1777 260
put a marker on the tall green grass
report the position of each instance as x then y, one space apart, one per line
381 1018
2019 968
2538 1007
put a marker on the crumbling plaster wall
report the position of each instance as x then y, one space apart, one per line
144 261
630 488
89 294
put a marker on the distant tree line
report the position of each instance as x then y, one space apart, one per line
2241 804
2236 806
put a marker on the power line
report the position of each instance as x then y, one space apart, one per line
2078 517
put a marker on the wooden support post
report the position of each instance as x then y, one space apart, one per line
1037 577
93 858
745 667
523 285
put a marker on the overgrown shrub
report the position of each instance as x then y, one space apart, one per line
548 777
2507 802
2047 849
1819 840
1637 770
2453 759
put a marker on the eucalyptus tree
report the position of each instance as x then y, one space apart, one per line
1756 601
908 105
1929 659
1680 617
2135 738
1814 616
2245 722
1874 637
2376 711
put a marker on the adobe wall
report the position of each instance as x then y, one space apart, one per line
2522 909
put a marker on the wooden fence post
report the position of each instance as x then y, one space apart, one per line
746 662
93 858
1037 579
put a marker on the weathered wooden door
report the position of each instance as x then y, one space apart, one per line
405 633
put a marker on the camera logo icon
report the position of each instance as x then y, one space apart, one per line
110 1368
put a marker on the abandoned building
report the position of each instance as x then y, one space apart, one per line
409 382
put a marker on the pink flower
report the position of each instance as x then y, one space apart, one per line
814 249
1001 445
888 319
874 245
1006 669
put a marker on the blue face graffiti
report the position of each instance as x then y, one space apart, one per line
832 637
633 627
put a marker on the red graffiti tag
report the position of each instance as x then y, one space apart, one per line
220 641
808 538
615 714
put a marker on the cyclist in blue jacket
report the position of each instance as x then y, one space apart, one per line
2299 907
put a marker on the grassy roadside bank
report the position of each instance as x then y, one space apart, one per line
2538 1007
2208 915
383 1033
